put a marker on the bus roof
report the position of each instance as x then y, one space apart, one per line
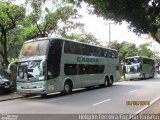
138 56
51 38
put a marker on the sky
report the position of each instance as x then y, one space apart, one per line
120 32
100 29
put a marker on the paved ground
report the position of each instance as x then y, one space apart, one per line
9 96
151 109
154 108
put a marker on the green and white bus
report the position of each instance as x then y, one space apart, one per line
48 65
139 67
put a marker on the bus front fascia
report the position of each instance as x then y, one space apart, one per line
26 85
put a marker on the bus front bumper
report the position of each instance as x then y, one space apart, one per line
32 91
133 76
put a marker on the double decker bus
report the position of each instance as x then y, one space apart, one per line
139 67
47 65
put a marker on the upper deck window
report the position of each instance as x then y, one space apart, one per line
130 61
34 48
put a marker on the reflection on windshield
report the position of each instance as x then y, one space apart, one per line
34 48
132 69
130 61
30 70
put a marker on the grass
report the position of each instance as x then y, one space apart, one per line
121 78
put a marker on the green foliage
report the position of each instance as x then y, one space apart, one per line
85 37
143 50
126 49
142 15
16 26
10 15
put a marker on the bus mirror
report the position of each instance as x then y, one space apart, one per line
12 66
42 66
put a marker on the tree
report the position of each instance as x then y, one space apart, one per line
41 20
125 49
9 16
84 37
142 15
143 50
47 21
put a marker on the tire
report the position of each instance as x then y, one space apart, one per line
67 88
106 82
110 81
152 75
144 77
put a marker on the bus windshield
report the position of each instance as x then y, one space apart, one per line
131 61
30 70
132 69
34 48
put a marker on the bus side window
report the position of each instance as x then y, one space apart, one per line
116 55
70 69
81 69
112 55
106 54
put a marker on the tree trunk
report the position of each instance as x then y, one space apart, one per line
5 53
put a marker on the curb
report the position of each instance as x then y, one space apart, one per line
16 97
146 107
12 98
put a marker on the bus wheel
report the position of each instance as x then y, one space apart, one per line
143 76
106 82
67 88
110 82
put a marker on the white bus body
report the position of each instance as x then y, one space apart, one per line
48 65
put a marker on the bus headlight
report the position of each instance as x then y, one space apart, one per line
18 87
41 86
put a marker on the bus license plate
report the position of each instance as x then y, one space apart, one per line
28 91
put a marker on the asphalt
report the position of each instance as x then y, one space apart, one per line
153 108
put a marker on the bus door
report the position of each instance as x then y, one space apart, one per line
53 64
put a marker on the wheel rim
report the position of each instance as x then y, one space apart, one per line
110 81
106 82
67 88
143 76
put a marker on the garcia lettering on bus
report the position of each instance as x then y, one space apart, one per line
88 59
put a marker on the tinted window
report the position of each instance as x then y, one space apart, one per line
130 61
70 69
54 58
83 49
34 48
148 61
74 69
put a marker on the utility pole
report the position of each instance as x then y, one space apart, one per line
109 24
109 33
